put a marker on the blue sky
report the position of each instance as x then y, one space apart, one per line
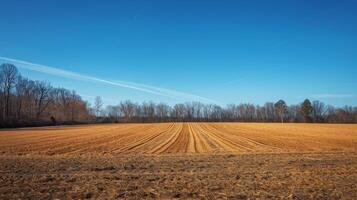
214 51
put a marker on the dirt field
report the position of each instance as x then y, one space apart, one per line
180 160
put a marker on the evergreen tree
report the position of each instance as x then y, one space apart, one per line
280 109
306 110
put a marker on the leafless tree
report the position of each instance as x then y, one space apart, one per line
207 111
148 110
178 112
162 111
318 110
42 93
269 111
198 110
25 90
114 113
98 103
128 109
8 77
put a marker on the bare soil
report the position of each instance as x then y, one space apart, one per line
180 161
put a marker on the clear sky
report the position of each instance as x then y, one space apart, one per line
213 51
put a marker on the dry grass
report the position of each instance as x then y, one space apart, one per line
180 160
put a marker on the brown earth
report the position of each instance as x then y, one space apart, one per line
180 160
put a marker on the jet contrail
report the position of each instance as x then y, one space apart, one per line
135 86
172 93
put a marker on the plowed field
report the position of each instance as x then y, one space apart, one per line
180 138
180 160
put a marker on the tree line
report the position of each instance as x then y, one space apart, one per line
308 112
24 102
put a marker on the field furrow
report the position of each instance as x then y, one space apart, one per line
223 142
180 138
167 141
146 138
181 143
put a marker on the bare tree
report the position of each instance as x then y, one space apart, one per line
294 113
318 110
217 113
198 110
98 103
269 111
148 110
128 109
25 90
43 98
8 78
178 112
21 87
63 99
114 112
207 111
189 111
75 102
162 111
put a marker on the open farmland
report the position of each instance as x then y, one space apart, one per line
179 138
180 160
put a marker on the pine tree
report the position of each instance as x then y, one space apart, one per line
306 110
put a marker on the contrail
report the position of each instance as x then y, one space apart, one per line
172 93
135 86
